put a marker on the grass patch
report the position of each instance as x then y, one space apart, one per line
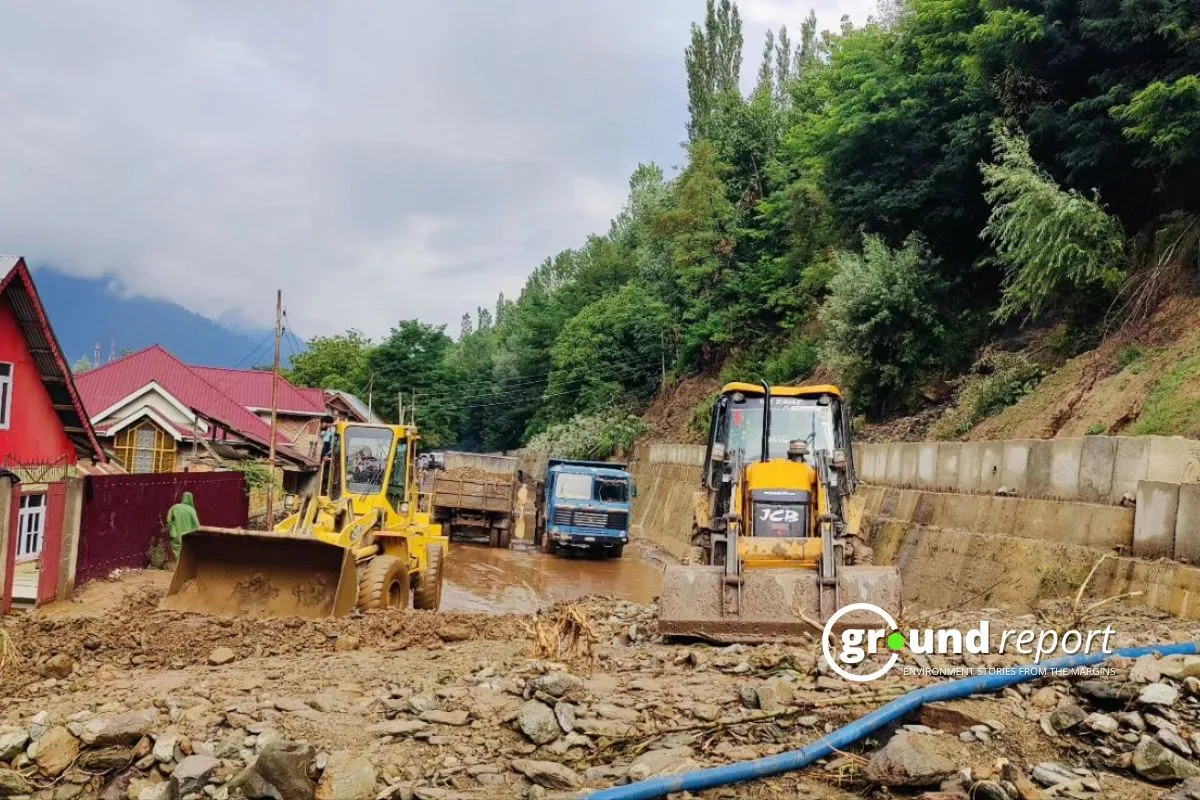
995 382
1094 430
1128 357
1173 407
1056 582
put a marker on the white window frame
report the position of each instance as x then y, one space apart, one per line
33 518
6 393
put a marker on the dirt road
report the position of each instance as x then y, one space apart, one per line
519 581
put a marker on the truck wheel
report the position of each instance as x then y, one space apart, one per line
505 538
429 586
547 543
384 584
494 538
617 551
694 557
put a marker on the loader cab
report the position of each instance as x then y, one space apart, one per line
373 463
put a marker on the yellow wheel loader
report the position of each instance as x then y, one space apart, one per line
361 541
773 554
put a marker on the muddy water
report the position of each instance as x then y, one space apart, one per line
480 578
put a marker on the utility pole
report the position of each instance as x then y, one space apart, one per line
662 351
98 356
274 409
400 407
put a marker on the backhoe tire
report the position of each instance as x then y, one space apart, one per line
384 584
694 557
429 585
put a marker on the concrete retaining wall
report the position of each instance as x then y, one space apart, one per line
980 551
667 476
1092 469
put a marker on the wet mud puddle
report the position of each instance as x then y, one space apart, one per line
485 579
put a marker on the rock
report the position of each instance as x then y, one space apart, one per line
537 722
706 712
116 788
1174 741
606 728
347 777
55 751
775 694
280 772
609 711
455 718
345 643
670 761
1044 697
909 760
292 704
1101 723
193 772
562 685
105 758
455 633
549 774
1131 719
398 727
748 695
422 702
167 790
13 744
1050 774
1067 716
1108 691
220 656
986 790
1159 694
59 665
1156 763
124 729
1146 669
164 746
1188 790
565 714
13 783
1192 686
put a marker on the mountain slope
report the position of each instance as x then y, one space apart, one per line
85 311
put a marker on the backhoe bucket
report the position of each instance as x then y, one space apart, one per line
262 573
774 604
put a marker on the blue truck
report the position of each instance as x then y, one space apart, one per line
584 505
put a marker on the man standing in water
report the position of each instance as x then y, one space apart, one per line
181 519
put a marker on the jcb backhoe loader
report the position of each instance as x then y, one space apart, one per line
773 554
361 541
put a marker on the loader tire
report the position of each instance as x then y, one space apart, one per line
429 585
384 584
694 557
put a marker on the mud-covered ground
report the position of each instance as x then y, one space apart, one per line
108 696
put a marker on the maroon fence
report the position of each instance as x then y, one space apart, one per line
123 515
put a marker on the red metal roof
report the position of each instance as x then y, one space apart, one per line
106 385
252 389
17 286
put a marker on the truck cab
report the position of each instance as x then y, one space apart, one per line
585 505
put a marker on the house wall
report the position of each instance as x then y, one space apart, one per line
303 432
35 434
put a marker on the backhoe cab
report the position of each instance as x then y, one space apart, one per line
773 553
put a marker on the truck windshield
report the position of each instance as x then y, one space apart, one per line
366 454
612 490
571 486
791 418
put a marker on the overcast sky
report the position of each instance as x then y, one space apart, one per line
375 160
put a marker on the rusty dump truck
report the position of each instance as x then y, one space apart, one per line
474 495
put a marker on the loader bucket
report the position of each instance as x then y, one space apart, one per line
775 604
261 573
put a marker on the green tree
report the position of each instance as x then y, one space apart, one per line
713 62
413 360
81 365
332 362
1049 239
885 330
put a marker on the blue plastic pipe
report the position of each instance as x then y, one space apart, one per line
847 735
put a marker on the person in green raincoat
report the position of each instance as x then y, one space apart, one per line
181 519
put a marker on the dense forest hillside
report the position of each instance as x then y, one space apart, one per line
886 205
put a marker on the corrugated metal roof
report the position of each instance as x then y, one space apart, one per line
252 388
358 405
7 262
106 385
